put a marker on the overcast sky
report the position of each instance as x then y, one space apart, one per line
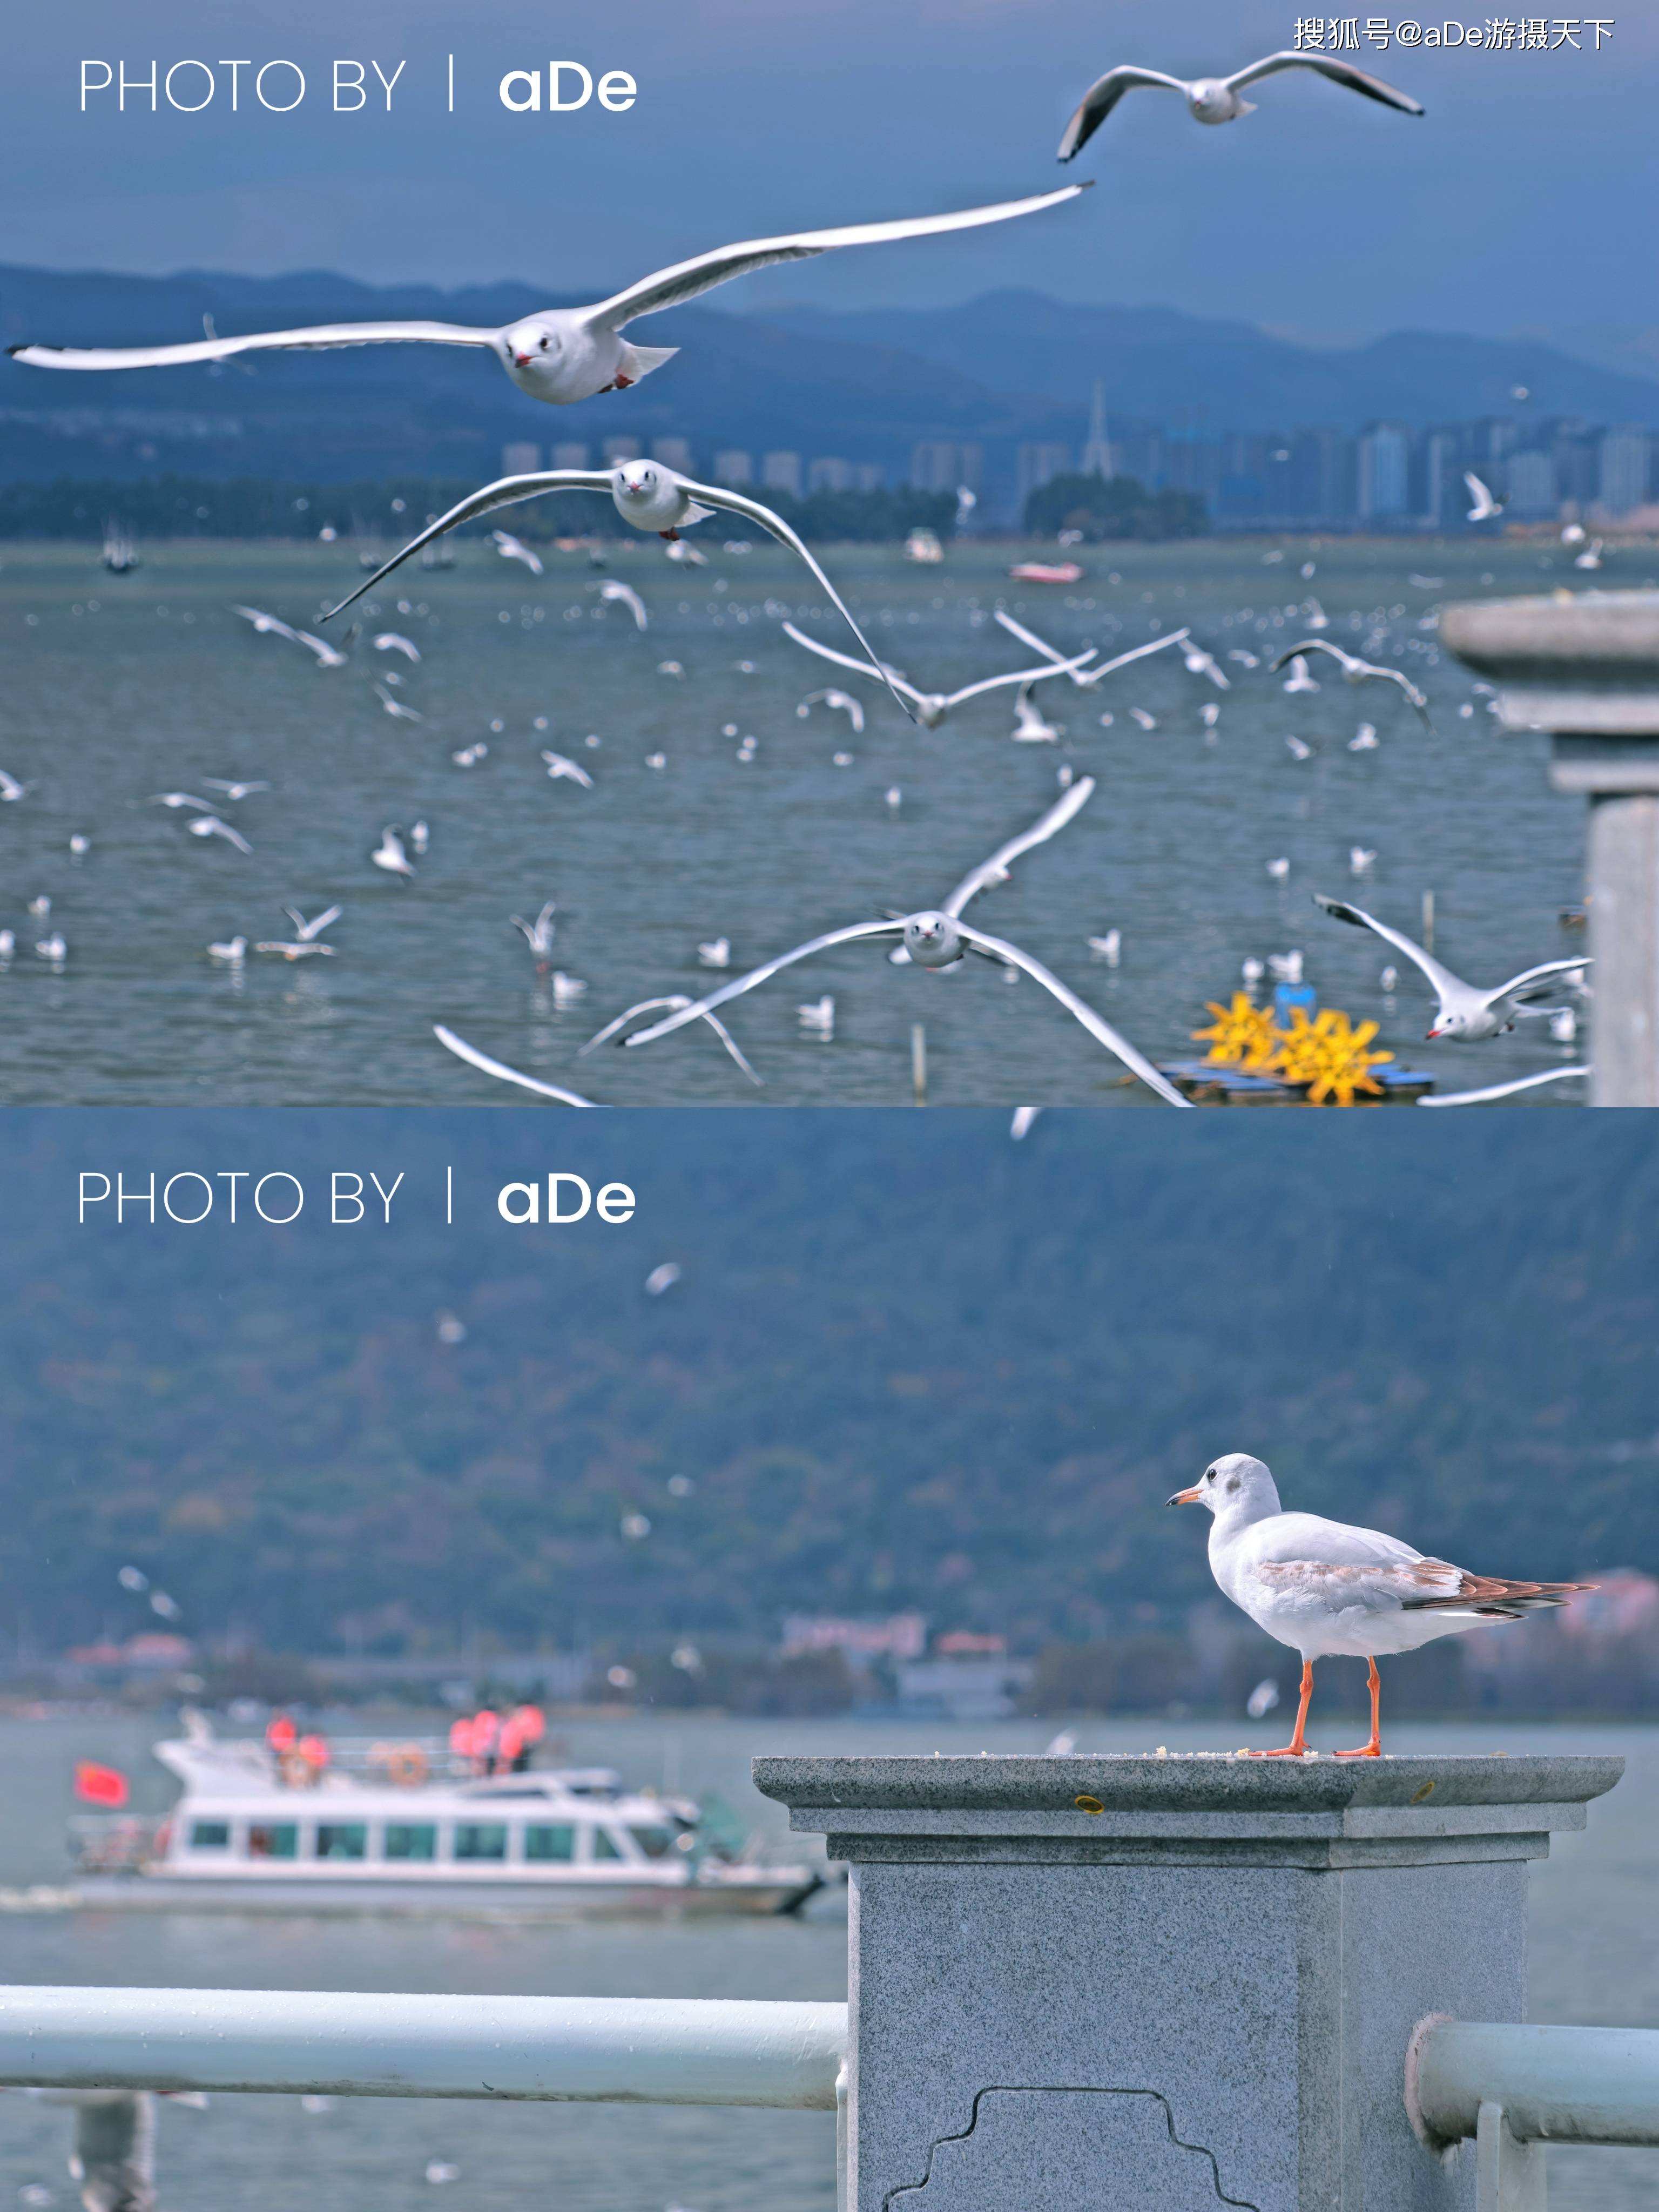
1519 202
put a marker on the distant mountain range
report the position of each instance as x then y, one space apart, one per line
1004 368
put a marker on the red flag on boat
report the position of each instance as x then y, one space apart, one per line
100 1785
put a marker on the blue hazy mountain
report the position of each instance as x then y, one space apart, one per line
1007 366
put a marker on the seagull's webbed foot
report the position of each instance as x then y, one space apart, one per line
673 536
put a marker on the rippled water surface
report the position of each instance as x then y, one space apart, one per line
118 688
1594 1940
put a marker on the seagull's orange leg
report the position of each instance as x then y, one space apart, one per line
1374 1748
1298 1745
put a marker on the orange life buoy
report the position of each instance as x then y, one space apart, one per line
407 1765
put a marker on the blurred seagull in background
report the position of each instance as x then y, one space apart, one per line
1355 670
538 935
390 641
269 626
209 825
233 791
514 549
839 702
1488 502
1462 1010
233 950
1298 679
559 767
396 707
1216 98
176 799
1085 678
624 595
291 951
308 931
11 790
390 855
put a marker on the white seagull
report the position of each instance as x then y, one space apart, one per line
1029 726
233 791
233 950
1216 98
937 937
396 707
11 790
560 355
177 799
624 595
391 641
1331 1590
1355 670
499 1069
1086 678
1199 663
1494 1092
390 855
645 494
839 702
309 931
1298 679
1487 503
716 953
514 549
559 766
673 1004
1462 1010
292 951
209 825
269 626
538 935
931 707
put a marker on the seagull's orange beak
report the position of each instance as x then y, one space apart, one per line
1192 1496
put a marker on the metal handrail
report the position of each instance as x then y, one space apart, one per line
668 2050
1578 2085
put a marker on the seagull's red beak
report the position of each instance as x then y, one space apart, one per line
523 360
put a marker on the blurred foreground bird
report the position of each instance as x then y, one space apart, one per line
1462 1010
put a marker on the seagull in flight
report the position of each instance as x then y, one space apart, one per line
514 549
1199 663
1356 671
209 825
176 799
308 931
1031 728
839 702
233 791
270 626
560 355
931 707
538 934
1488 502
11 790
676 1003
937 937
300 949
474 1058
396 707
390 855
1493 1092
1216 98
558 765
647 494
392 640
1298 679
625 595
1462 1010
1086 678
1329 1589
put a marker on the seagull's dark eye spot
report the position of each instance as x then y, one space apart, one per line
1232 1486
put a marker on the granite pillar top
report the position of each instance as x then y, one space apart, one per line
1585 664
1192 1798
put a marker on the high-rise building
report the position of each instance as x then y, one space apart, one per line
620 449
733 466
1097 451
1443 476
1038 464
673 453
1384 470
829 474
942 465
1531 485
1626 462
520 459
868 476
782 473
571 453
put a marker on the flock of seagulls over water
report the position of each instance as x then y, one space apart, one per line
563 356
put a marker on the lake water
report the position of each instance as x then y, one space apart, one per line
1594 1941
118 688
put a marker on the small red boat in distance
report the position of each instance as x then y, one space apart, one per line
1043 572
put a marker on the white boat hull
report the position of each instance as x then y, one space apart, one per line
447 1900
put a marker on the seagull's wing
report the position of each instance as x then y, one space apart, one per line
742 983
1418 699
996 870
1311 645
687 280
734 502
1530 983
1019 676
313 340
878 672
474 1058
1494 1090
1101 1031
1136 652
308 930
1356 80
673 1006
505 491
1102 97
1309 1539
1443 980
1029 637
264 622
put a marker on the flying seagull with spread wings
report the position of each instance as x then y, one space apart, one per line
648 495
1357 671
1332 1590
559 354
1087 678
937 937
1462 1010
932 707
1216 98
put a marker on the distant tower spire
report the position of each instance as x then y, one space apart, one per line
1098 453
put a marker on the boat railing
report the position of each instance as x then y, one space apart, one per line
114 1843
1511 2088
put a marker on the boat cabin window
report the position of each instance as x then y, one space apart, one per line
209 1836
342 1839
273 1839
604 1845
410 1840
542 1843
485 1839
655 1843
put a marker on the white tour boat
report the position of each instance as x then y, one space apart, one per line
383 1828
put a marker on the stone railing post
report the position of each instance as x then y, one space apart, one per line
1169 1984
1585 667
